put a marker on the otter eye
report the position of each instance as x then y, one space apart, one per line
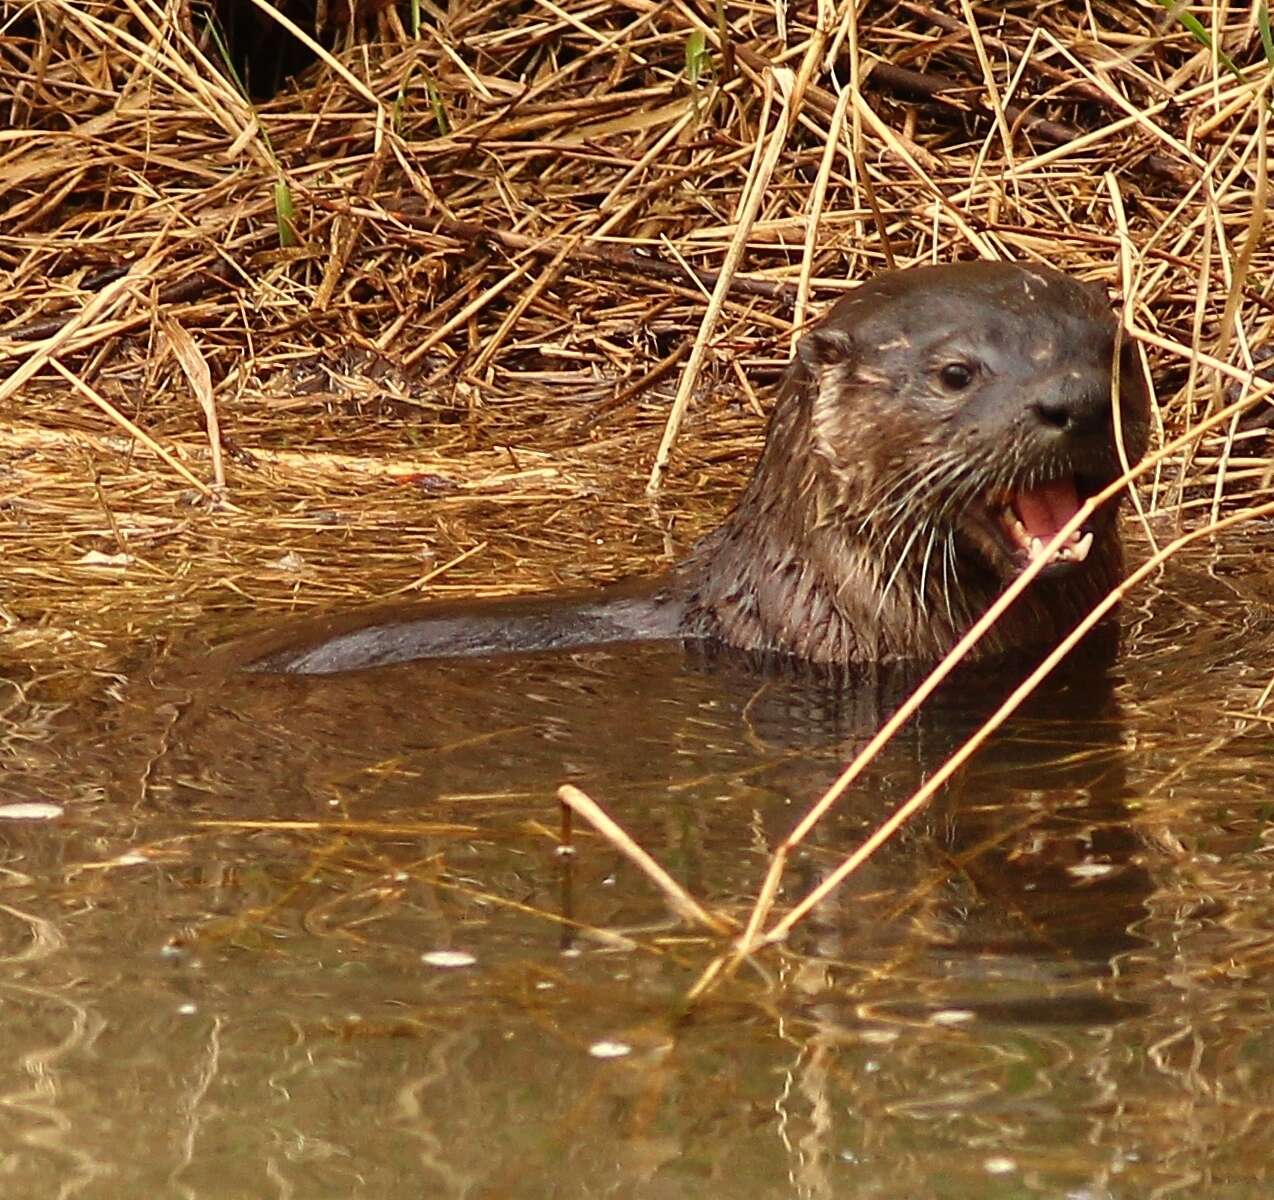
956 376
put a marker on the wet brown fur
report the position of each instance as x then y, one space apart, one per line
807 564
863 535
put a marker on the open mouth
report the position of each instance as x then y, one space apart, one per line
1029 519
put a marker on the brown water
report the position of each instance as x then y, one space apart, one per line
220 973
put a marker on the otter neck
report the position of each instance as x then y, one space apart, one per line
798 568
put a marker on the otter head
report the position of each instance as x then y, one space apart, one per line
938 427
967 411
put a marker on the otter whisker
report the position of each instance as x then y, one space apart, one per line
918 474
890 482
948 572
924 569
901 493
919 497
893 575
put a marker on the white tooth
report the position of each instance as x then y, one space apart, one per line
1036 547
1080 550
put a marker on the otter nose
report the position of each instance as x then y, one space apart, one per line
1074 405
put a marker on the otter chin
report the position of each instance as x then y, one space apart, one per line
934 433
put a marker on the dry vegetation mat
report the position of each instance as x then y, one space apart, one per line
414 318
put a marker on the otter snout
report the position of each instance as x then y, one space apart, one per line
1074 405
1073 413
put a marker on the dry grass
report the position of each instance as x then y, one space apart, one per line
458 375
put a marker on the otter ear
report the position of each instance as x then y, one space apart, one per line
824 345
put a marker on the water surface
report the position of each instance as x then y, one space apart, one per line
225 961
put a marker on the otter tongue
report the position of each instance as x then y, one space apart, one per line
1042 511
1045 509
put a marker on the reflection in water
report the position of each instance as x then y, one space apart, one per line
214 975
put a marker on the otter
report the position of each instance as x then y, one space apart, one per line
933 432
